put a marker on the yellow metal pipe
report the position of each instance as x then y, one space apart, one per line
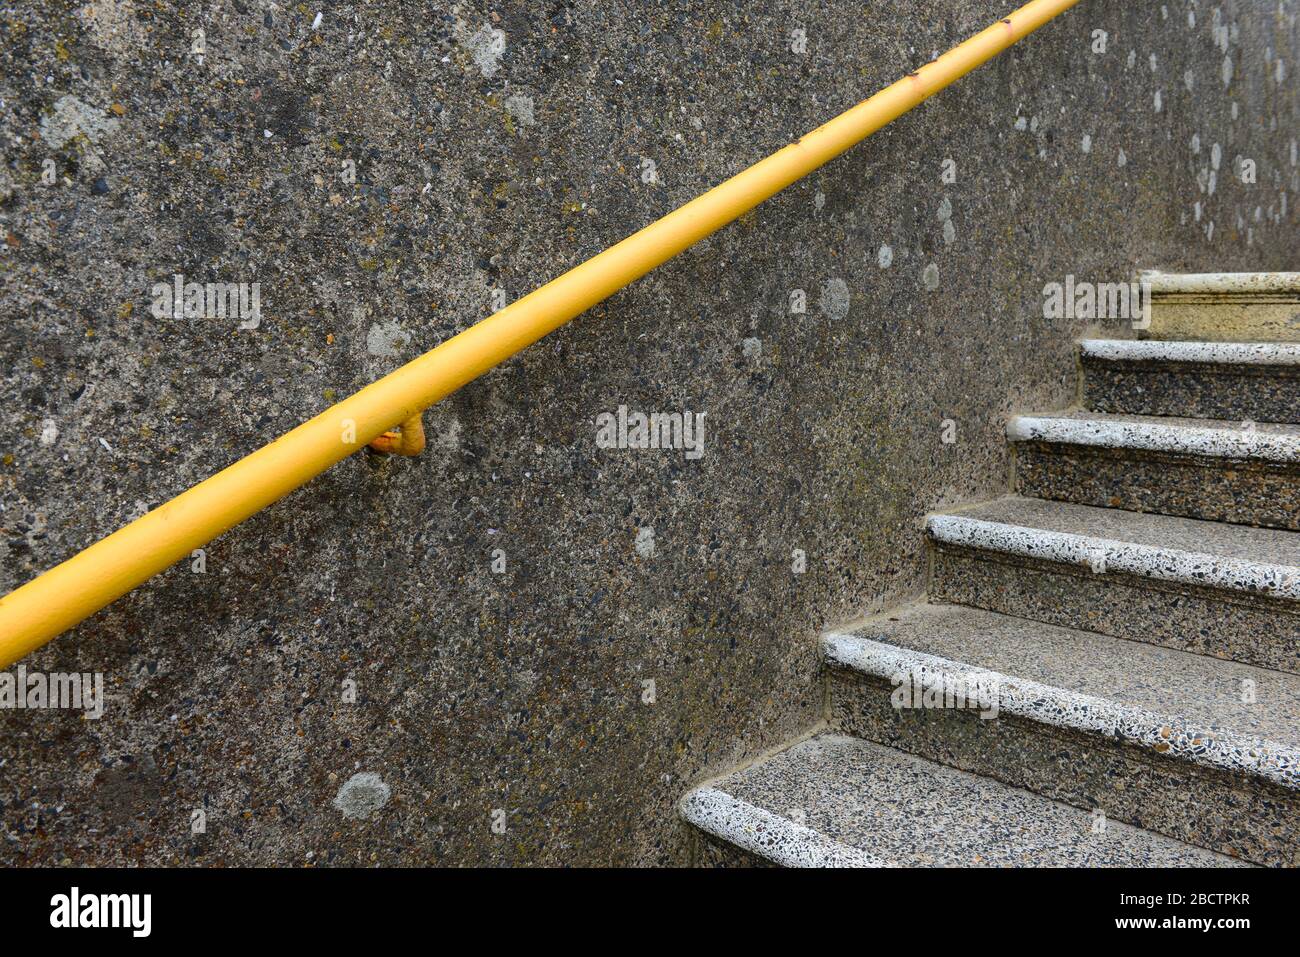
79 587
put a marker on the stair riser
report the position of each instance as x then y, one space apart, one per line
709 851
1225 321
1215 489
1232 625
1197 392
1202 806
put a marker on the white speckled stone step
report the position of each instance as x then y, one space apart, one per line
1206 711
1087 718
835 800
1258 381
1206 587
1220 471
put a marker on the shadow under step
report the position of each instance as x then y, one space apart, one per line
838 801
1197 468
1235 381
1222 590
1202 750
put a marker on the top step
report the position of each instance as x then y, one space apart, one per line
1224 307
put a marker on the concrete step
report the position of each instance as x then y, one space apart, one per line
1222 590
835 800
1196 748
1198 468
1255 381
1224 307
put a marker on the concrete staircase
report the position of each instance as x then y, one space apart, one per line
1106 671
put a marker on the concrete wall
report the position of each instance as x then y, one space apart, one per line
481 167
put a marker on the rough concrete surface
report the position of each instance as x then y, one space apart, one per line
351 680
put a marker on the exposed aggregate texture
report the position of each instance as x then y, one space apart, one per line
522 648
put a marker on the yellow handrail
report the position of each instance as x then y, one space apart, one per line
79 587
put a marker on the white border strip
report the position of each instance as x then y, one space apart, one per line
1104 555
1169 735
1220 443
1210 353
767 835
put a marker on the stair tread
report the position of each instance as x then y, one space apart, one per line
1274 553
859 803
1176 689
1212 438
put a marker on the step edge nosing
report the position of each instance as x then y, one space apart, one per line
736 821
1265 354
1223 285
1200 441
1104 555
